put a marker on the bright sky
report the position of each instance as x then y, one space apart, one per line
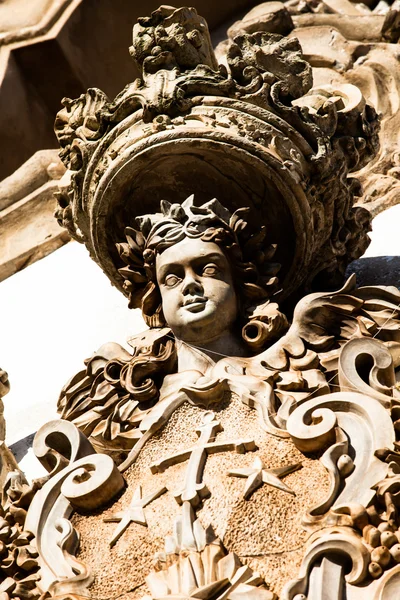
54 314
385 235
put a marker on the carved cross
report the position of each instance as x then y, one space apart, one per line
194 489
257 476
133 514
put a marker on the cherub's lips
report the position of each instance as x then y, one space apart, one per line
195 304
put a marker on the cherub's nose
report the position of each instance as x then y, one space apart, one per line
191 285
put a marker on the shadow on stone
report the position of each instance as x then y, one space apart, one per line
377 270
21 448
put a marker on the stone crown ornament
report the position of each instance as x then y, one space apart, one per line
250 131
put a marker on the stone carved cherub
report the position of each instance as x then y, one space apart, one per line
201 303
205 284
198 274
218 342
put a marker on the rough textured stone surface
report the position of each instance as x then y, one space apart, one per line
223 445
355 43
153 427
264 531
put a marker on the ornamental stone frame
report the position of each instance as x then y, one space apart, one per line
221 197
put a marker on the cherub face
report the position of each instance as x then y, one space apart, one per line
198 297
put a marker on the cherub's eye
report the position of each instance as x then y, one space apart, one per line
210 270
171 280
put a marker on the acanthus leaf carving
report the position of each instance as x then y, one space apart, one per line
196 564
258 98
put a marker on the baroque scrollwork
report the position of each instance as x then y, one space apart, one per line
260 99
259 362
78 479
325 326
346 42
342 340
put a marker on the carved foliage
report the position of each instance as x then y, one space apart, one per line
172 38
316 137
77 126
272 60
180 78
249 253
19 564
354 430
110 398
196 564
360 441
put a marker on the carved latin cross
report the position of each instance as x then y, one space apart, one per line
194 489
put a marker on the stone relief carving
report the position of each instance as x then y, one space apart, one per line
203 567
249 368
4 389
7 460
19 566
345 42
243 118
